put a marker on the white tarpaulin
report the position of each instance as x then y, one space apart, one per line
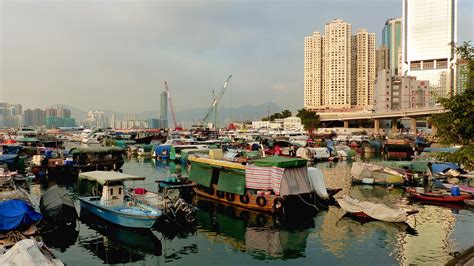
377 211
359 168
26 252
316 179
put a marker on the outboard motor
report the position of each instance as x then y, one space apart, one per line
184 212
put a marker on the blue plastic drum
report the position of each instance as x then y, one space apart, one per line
455 191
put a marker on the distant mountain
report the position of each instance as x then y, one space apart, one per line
225 114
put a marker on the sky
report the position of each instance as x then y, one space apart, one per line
116 54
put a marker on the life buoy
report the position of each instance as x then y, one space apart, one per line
230 196
130 204
277 205
244 199
261 201
220 194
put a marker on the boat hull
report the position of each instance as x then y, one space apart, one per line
437 198
293 205
116 217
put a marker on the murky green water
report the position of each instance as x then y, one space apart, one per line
222 238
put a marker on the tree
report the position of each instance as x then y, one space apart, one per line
285 113
456 125
310 120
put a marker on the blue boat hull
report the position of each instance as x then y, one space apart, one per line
116 217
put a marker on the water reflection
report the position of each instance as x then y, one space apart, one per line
233 236
259 235
61 239
340 234
432 244
116 244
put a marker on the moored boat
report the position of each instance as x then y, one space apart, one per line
369 210
111 205
274 185
57 207
371 174
462 188
437 196
398 149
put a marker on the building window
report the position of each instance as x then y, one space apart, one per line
443 63
414 65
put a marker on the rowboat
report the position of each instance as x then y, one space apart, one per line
112 206
437 196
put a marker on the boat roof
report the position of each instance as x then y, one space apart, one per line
218 163
95 150
279 161
103 177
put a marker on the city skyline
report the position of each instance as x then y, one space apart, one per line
120 55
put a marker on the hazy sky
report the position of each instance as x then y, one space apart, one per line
112 54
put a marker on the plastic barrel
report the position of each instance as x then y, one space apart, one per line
455 191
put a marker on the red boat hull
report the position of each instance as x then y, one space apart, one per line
438 198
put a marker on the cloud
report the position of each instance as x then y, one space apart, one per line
102 54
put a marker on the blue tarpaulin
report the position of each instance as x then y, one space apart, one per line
8 158
160 148
17 213
441 167
11 149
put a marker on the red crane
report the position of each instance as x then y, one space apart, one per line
176 125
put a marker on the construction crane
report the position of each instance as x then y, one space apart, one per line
176 125
215 101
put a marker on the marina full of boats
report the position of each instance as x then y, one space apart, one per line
255 175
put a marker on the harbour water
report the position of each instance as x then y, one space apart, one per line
223 237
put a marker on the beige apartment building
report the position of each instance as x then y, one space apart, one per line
339 68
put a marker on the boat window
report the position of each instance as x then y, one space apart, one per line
111 192
120 190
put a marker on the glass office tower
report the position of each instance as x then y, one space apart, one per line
429 29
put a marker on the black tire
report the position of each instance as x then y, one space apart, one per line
261 201
277 207
230 196
220 194
244 199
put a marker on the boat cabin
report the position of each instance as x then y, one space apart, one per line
112 185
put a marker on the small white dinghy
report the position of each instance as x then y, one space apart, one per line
366 209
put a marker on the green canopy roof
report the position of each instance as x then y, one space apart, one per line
27 140
95 150
279 161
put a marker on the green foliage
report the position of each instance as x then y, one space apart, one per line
283 114
309 119
466 51
464 157
456 125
